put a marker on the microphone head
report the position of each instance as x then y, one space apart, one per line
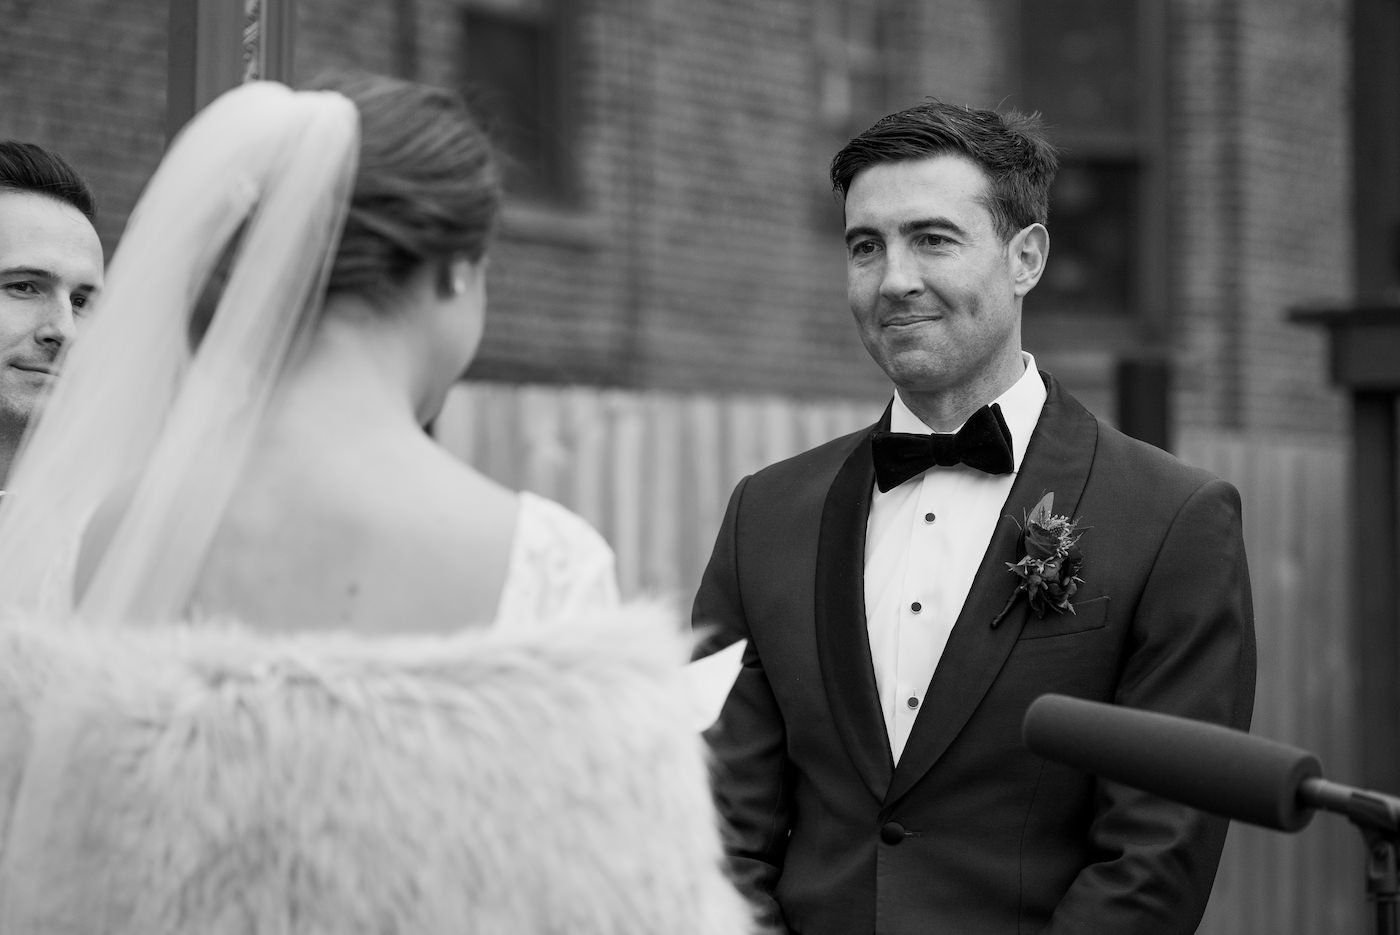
1213 768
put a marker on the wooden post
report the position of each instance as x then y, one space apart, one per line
205 57
277 41
1375 26
206 54
1144 399
1365 352
1376 587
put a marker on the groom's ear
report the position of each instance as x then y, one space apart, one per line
1028 252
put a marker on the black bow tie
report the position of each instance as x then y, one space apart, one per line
984 443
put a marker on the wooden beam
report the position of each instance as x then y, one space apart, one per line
1365 344
277 41
205 56
1376 144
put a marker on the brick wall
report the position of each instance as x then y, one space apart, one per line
705 254
708 256
86 78
1261 219
1296 179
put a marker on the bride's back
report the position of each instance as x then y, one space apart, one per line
262 454
378 531
346 515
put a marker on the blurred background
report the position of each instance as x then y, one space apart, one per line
668 310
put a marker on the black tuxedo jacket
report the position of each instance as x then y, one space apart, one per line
971 833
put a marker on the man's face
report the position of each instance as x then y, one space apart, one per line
934 290
50 267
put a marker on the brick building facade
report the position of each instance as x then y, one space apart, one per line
693 244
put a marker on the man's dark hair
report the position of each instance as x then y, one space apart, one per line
1011 148
28 167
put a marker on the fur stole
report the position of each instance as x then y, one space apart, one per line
179 780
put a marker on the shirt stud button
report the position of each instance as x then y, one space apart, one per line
929 517
916 607
912 702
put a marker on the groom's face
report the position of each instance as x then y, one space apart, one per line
931 284
50 267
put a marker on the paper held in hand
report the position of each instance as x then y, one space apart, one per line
709 680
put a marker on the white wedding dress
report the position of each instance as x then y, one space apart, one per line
164 778
559 567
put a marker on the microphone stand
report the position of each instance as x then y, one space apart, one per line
1377 817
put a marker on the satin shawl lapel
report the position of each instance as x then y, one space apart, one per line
1058 459
843 645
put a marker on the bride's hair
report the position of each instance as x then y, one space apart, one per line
428 187
351 185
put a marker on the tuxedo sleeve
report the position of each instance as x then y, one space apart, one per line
1191 654
748 742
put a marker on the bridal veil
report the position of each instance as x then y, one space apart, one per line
138 414
164 779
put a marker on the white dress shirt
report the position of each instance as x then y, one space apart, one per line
924 541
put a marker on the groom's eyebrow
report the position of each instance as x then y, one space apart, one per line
911 227
936 223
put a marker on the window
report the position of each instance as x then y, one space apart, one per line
514 69
853 82
1093 213
853 60
1087 68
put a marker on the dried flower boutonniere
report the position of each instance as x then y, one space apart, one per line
1050 567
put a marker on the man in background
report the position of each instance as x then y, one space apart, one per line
908 590
50 269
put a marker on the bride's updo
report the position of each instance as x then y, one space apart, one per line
428 186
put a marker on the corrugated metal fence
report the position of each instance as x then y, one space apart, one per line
1297 537
653 471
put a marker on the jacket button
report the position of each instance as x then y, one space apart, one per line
892 832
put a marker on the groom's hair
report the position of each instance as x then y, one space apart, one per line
29 167
428 186
1011 148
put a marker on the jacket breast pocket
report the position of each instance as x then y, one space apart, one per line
1088 615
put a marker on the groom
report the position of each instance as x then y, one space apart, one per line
869 762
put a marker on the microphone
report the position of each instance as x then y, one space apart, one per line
1213 768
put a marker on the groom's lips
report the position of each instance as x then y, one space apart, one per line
901 321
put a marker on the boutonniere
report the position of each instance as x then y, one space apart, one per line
1049 569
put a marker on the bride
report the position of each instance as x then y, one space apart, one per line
248 673
296 422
